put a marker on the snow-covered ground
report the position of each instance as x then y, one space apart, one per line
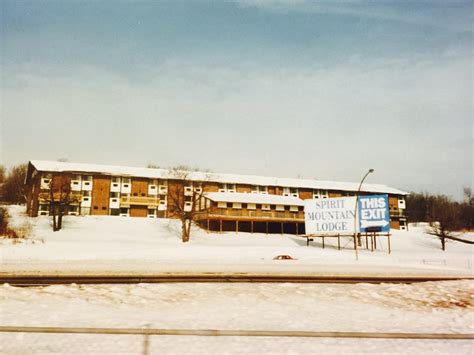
146 246
432 307
106 244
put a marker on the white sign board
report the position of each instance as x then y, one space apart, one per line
330 215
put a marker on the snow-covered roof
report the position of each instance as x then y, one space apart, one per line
254 198
55 166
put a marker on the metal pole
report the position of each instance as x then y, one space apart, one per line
146 341
355 211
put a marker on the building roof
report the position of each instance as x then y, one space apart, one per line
55 166
254 198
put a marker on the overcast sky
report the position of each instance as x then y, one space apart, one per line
315 89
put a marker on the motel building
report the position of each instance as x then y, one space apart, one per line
228 202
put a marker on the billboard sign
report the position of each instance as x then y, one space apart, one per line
374 215
330 216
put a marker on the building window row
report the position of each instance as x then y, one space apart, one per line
258 206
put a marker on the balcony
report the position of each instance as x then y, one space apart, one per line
140 201
74 197
244 214
398 213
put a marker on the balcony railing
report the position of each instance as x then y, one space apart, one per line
139 200
254 214
46 197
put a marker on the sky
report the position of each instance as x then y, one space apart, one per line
289 88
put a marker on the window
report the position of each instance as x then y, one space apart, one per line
259 189
87 177
151 211
115 179
152 187
76 177
96 207
266 207
114 194
104 208
291 191
237 205
124 210
114 211
226 187
143 194
126 180
229 204
251 206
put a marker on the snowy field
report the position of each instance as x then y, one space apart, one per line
139 245
103 245
432 307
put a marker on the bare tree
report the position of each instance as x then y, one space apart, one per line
60 198
13 188
185 199
2 174
444 218
467 209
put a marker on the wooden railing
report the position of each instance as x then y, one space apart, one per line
46 197
139 200
254 214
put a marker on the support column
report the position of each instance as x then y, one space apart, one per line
220 225
251 227
297 228
236 226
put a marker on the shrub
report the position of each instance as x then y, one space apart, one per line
4 230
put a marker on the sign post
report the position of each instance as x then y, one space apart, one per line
337 216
